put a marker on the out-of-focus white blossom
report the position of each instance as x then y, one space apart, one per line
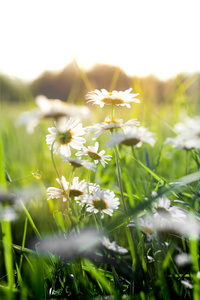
115 98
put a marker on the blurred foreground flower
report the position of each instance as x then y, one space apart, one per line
188 134
74 245
165 218
183 260
66 134
110 125
51 108
92 152
163 212
76 189
103 201
134 136
115 98
113 246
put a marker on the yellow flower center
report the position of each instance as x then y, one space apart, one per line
100 204
111 121
131 141
147 229
75 164
65 138
94 155
75 193
108 100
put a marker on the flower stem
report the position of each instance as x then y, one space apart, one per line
120 178
112 111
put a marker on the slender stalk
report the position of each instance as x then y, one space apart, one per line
119 177
112 111
8 255
23 244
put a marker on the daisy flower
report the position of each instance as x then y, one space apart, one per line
103 201
57 108
183 260
188 134
77 163
92 151
117 98
110 125
179 143
132 137
113 246
146 225
167 217
76 189
51 108
66 134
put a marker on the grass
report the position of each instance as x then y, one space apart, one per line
51 249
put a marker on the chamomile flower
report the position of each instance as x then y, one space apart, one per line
110 125
167 217
113 246
76 189
88 195
103 201
92 152
66 134
179 143
57 108
183 260
134 136
51 108
77 163
116 98
188 134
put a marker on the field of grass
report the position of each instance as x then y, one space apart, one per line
52 249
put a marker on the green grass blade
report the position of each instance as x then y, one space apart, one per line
101 279
2 173
31 221
8 252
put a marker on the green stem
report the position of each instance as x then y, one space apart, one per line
112 111
8 255
120 178
23 244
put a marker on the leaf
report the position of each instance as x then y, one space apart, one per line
58 217
2 172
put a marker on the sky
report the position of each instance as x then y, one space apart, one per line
143 37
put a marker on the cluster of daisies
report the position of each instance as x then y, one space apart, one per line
67 134
167 218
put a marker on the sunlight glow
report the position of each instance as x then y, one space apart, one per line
142 37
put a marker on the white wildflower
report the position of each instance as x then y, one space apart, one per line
116 98
132 137
92 152
65 135
113 246
110 125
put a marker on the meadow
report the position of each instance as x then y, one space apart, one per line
123 224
